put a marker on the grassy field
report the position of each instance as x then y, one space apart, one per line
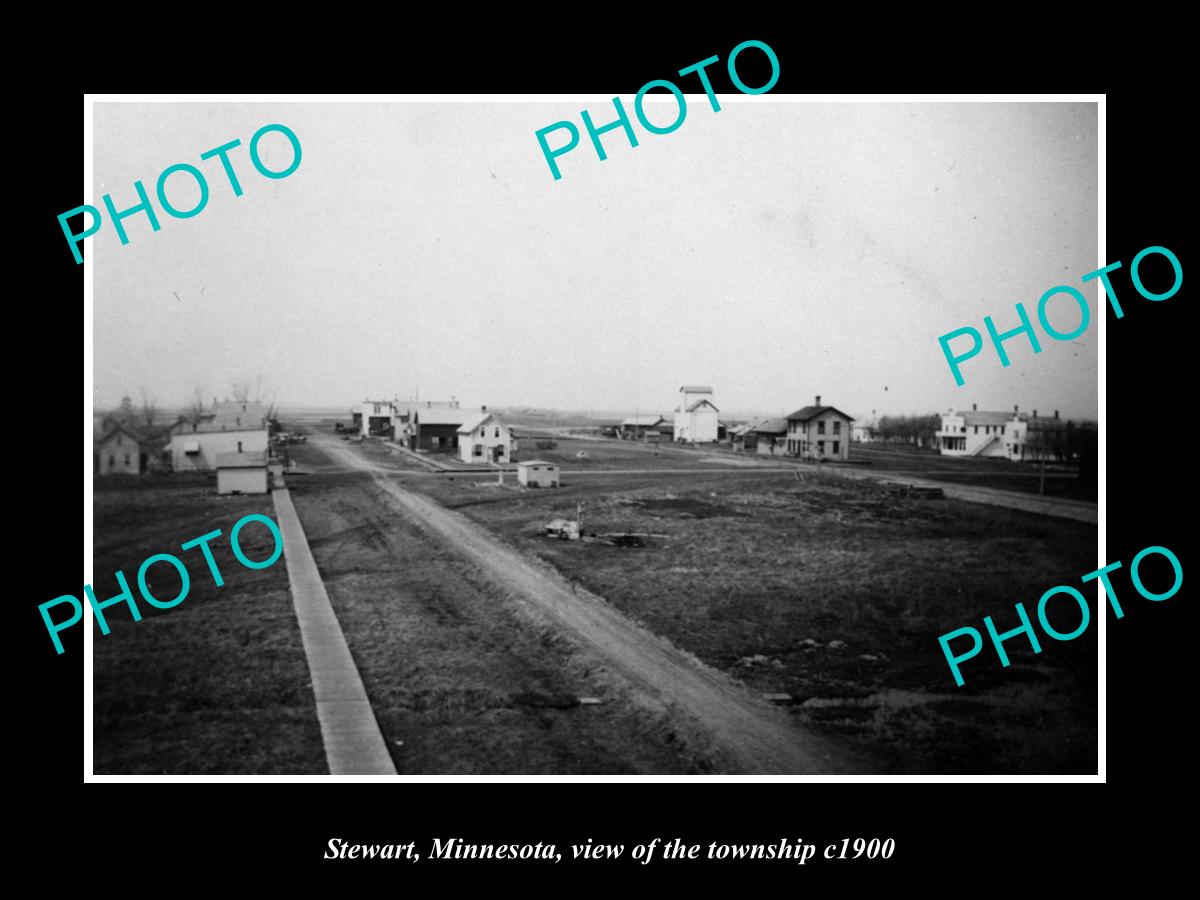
1003 474
610 453
1060 481
219 684
835 591
459 683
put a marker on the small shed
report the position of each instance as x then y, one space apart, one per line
537 473
242 473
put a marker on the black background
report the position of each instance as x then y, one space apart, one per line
211 832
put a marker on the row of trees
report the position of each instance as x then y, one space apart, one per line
1060 443
919 430
146 413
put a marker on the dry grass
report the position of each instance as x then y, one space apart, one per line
218 684
835 592
460 682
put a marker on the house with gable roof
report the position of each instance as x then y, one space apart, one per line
819 432
483 438
696 417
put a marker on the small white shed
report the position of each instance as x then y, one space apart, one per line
537 473
242 473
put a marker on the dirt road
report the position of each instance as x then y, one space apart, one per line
747 734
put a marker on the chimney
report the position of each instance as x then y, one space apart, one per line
1035 413
974 407
483 409
1016 410
818 403
1056 414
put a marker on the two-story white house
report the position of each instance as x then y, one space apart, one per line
483 438
375 417
696 416
819 432
231 427
977 432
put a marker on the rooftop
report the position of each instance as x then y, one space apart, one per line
806 413
254 460
697 389
769 426
984 417
441 415
473 422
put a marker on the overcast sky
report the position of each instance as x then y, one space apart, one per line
775 250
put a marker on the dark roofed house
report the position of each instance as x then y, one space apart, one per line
819 432
636 426
768 436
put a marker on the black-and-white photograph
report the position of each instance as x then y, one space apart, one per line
477 438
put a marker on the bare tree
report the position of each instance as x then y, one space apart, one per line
247 390
195 409
148 415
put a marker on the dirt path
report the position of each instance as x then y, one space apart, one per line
749 735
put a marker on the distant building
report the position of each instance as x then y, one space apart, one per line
429 425
768 437
374 418
635 427
696 417
231 427
483 438
241 473
738 436
537 473
1036 438
819 432
977 432
863 432
119 451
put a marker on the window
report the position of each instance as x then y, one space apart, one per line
821 427
239 446
836 448
837 427
1002 429
497 434
977 429
126 459
479 449
821 448
112 460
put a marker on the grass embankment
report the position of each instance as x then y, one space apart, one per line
219 684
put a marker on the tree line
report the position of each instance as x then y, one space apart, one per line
918 430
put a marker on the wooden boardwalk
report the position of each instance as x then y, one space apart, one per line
353 742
